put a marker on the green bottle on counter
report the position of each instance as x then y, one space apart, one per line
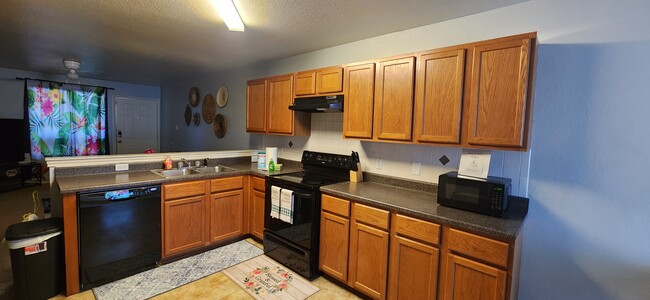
271 165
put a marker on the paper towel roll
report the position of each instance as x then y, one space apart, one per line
271 154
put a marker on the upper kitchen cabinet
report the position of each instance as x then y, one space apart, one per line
256 106
268 111
439 96
319 82
501 92
359 89
393 114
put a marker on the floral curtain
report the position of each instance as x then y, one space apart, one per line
66 120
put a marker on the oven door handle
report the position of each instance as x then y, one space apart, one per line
302 195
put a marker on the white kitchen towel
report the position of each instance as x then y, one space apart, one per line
275 201
286 205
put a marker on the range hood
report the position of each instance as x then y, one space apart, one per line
318 104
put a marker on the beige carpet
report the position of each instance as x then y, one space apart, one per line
13 205
263 278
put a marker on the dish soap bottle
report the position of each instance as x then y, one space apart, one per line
168 163
271 165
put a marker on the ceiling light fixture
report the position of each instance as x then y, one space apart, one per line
72 66
229 14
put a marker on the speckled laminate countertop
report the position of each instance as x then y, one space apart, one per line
423 205
106 181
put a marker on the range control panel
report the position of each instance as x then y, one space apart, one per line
327 160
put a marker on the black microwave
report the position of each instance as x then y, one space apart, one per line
486 196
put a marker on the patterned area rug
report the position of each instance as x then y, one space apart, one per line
263 278
167 277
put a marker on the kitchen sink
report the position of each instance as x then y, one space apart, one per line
191 171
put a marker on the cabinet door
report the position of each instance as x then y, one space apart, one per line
257 204
358 104
279 97
305 83
439 96
498 97
226 215
468 279
394 99
368 260
413 269
329 80
256 106
184 221
334 236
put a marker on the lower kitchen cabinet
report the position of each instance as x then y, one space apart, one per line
226 215
414 256
468 279
256 212
184 225
424 261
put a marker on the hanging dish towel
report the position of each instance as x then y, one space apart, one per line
286 206
275 201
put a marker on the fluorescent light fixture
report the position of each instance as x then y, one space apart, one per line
229 14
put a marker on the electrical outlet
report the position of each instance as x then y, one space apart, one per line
380 162
415 168
121 167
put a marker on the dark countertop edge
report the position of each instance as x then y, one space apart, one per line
468 226
157 179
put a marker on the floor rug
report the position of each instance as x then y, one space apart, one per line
265 279
167 277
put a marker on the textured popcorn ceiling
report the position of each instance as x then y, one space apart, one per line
155 41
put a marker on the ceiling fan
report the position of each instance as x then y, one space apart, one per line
72 66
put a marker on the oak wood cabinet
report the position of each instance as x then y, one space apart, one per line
226 208
268 111
439 96
501 92
359 90
414 256
319 82
334 237
393 111
256 212
256 106
184 217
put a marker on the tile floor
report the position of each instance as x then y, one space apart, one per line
218 286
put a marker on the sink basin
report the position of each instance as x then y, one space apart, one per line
175 172
191 171
216 169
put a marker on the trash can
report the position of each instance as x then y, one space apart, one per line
36 250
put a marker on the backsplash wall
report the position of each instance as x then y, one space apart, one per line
396 159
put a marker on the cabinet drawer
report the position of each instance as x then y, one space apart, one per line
184 189
417 229
371 216
479 247
258 184
336 205
226 184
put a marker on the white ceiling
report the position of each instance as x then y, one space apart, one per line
157 41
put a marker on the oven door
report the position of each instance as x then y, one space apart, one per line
304 205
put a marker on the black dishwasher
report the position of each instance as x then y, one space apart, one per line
119 233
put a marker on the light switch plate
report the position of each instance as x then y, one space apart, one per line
121 167
415 168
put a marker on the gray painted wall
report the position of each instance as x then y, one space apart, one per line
586 235
11 98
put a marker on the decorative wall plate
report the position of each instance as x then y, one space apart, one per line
219 126
196 119
209 109
194 96
188 114
222 96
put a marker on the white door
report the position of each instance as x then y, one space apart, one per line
137 125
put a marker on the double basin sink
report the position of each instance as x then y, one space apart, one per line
192 171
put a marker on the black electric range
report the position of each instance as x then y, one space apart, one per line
292 238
